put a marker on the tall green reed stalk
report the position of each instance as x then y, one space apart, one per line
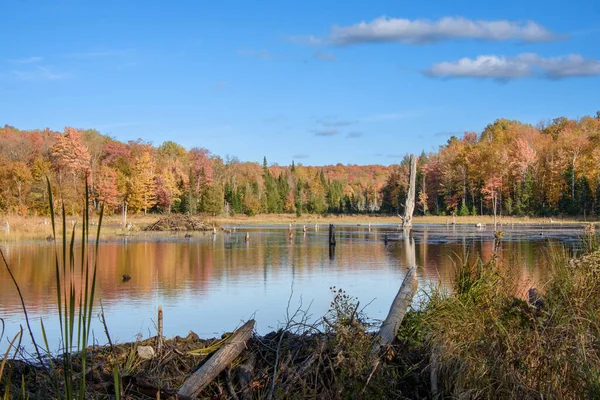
75 295
75 307
17 338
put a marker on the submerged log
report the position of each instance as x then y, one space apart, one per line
389 327
220 360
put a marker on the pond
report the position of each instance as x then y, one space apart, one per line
210 283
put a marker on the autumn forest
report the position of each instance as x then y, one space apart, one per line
523 170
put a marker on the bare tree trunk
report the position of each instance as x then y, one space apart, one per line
573 179
19 187
494 207
124 214
409 205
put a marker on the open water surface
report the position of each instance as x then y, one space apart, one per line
211 283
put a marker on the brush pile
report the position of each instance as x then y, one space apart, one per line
330 359
178 222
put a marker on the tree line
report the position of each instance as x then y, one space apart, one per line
513 167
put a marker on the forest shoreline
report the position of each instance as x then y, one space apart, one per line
39 227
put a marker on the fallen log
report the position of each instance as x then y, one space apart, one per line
220 360
389 327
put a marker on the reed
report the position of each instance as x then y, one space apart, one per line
75 294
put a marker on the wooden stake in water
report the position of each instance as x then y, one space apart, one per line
331 241
331 235
159 336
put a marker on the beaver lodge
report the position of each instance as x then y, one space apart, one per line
178 222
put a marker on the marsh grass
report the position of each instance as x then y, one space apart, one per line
492 344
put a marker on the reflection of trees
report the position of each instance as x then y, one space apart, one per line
203 265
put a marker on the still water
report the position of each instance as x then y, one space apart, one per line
211 283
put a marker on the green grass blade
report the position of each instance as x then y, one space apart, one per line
116 380
57 263
10 345
72 295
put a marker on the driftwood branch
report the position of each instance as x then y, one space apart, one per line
220 360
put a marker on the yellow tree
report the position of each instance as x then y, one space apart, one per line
16 178
142 191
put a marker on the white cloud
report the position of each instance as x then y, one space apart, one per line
274 118
38 74
520 66
571 65
324 56
354 135
264 54
388 116
309 40
482 67
102 53
332 123
326 132
422 31
27 60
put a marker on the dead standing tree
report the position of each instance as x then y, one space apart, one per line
409 205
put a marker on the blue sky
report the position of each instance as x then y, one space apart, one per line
318 82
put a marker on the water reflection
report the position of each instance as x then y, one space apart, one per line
209 283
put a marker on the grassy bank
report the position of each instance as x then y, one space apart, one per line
39 228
